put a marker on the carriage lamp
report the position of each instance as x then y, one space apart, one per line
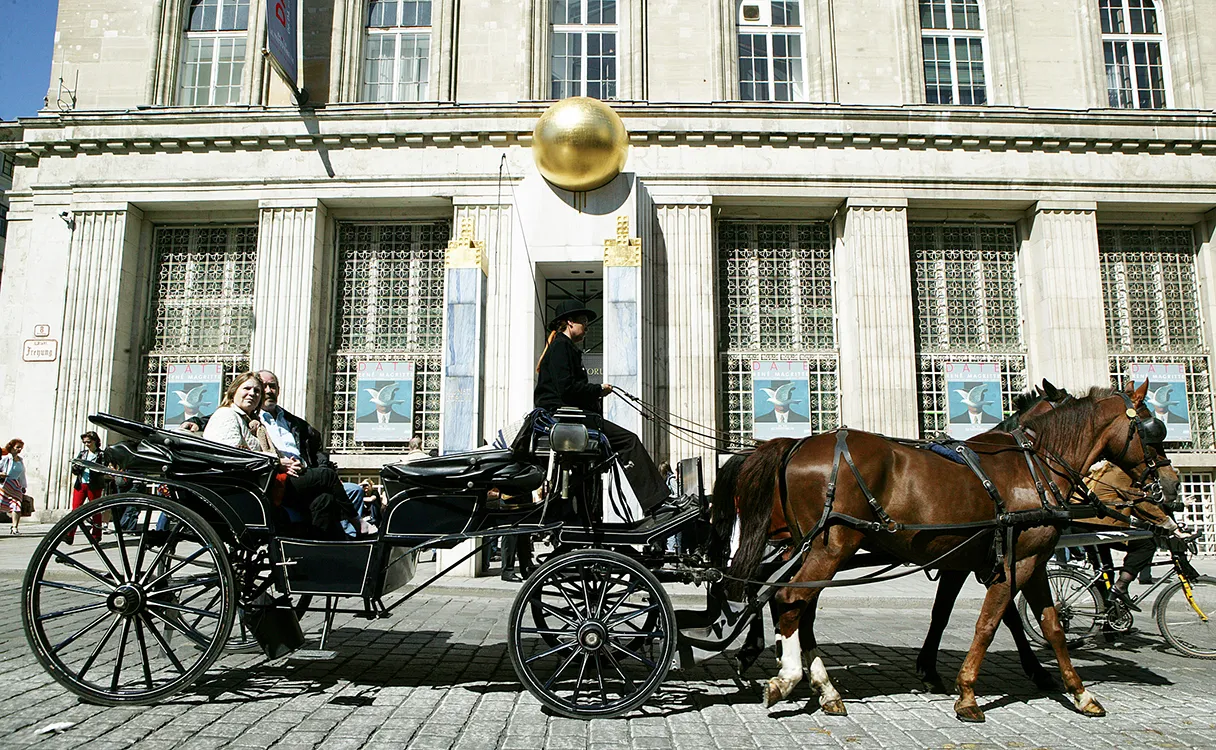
568 438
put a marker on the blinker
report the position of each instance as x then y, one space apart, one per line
1153 430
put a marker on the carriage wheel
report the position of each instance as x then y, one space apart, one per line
599 652
104 615
1078 604
252 574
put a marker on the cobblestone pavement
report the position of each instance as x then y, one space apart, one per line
436 675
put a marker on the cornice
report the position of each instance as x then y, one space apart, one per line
918 128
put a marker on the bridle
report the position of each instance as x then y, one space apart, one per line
1152 433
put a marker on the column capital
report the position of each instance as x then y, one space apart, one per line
876 203
272 203
1062 207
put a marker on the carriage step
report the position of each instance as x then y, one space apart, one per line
313 654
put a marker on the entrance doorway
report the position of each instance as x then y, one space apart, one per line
587 286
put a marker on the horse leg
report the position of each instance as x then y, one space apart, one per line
829 698
949 583
995 603
1030 662
1038 595
820 564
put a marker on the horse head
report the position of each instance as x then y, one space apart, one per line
1116 490
1131 438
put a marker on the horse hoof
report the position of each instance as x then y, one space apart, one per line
835 707
1089 705
970 713
775 691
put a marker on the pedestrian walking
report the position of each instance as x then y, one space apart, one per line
86 485
12 473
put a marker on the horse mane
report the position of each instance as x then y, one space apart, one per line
1065 427
1022 403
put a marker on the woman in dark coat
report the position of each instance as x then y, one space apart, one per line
561 380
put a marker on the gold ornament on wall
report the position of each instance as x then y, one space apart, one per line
623 250
580 144
466 252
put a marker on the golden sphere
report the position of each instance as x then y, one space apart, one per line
580 144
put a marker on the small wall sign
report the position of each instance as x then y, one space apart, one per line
41 331
40 350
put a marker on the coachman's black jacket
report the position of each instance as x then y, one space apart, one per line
562 380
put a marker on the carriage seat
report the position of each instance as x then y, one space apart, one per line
463 471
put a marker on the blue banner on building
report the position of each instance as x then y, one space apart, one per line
282 34
384 402
191 390
1166 397
973 398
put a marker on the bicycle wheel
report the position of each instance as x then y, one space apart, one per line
1189 625
1079 607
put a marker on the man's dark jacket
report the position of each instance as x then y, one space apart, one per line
562 379
308 440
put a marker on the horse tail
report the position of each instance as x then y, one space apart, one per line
722 509
756 483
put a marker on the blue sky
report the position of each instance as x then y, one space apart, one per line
27 44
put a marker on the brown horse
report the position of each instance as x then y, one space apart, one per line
909 487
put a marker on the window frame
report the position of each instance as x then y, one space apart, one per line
399 32
953 35
168 87
1130 39
799 91
583 31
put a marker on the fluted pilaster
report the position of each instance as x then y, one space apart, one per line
94 355
1062 295
684 233
290 302
877 342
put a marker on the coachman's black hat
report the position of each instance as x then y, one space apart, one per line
570 308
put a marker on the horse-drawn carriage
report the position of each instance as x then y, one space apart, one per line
136 610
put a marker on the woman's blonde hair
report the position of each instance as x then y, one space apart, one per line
239 381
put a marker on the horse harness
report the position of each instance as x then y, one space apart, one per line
1054 508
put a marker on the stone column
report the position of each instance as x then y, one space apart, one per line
877 338
94 370
291 303
684 233
1062 296
464 308
491 225
622 323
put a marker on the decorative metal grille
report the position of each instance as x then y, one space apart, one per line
390 308
202 304
1199 496
776 288
965 297
1150 291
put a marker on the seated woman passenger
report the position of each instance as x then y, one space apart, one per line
316 493
561 380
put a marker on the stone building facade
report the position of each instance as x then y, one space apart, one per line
876 187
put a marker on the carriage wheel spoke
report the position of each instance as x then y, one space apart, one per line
550 652
164 645
165 546
72 638
122 549
67 560
633 586
561 669
172 622
189 584
100 552
143 652
70 587
617 666
632 655
557 613
70 611
573 607
122 650
189 610
599 678
143 540
633 614
97 650
185 561
209 605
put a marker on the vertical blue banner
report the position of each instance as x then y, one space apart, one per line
282 34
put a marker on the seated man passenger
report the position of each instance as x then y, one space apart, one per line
314 492
561 380
295 438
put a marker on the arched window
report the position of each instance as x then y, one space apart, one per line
583 49
771 50
397 55
952 42
1133 46
213 52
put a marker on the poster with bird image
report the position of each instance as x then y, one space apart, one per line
191 390
1166 397
973 398
384 402
781 400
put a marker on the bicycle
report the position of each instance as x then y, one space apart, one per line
1184 606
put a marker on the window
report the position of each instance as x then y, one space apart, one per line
202 304
390 308
965 298
775 283
582 51
1150 289
770 51
1199 511
952 40
3 220
1133 45
6 165
213 52
397 54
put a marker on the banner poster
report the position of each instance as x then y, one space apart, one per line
973 398
1166 397
781 400
281 33
191 390
384 401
